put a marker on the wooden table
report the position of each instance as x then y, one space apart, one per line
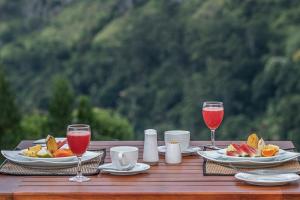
184 181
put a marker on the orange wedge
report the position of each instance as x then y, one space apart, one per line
268 152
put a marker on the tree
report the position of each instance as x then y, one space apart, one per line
9 113
60 106
84 114
110 125
34 126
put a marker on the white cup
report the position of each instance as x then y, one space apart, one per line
124 157
173 153
182 137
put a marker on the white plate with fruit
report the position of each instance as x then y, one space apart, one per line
14 156
55 151
56 154
253 153
253 149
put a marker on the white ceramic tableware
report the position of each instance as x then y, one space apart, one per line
182 137
14 156
248 162
137 169
267 180
124 157
150 154
173 153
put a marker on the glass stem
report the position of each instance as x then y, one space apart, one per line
79 173
213 137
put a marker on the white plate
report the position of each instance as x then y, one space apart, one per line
14 156
43 141
267 180
249 163
280 153
189 151
138 168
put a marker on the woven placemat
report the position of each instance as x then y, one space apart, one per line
211 168
88 168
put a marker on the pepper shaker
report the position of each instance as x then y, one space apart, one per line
150 154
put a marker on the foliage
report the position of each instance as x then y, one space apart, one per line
108 125
9 114
60 106
84 114
34 126
155 62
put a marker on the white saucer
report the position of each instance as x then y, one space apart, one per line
138 168
267 180
189 151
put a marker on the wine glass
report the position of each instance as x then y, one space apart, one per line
213 113
78 136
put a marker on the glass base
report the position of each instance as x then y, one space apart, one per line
79 179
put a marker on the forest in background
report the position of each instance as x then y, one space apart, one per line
150 64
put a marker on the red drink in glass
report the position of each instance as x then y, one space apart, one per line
79 136
213 112
213 116
78 141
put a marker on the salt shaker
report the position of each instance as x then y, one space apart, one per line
173 153
150 154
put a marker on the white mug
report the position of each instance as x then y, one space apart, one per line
182 137
124 157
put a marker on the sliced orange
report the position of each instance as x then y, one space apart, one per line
272 146
252 140
268 152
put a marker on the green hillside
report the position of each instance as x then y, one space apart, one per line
155 62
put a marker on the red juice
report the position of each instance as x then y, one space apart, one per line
78 141
213 116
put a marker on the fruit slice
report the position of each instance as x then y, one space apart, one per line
63 153
30 153
253 152
272 146
35 148
244 150
260 146
268 152
51 144
237 149
44 153
248 150
233 150
252 141
232 153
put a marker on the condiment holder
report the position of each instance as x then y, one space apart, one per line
173 153
150 155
